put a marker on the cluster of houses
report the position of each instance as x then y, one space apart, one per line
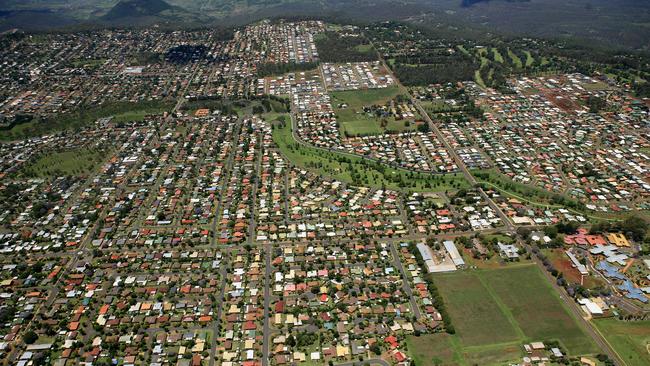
521 213
549 138
431 214
109 66
350 295
356 75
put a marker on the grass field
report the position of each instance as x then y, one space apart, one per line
478 78
477 321
529 58
496 311
72 162
537 309
359 98
498 57
354 122
515 59
356 170
631 340
433 349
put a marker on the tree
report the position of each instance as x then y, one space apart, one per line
636 227
30 337
596 104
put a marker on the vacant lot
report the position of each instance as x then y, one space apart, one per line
359 98
476 316
631 340
536 307
496 311
433 349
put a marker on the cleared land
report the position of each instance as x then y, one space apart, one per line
356 170
496 311
631 340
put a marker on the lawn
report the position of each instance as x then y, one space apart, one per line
537 308
71 162
359 171
496 311
631 340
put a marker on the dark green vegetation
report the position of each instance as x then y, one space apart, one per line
78 161
25 126
493 179
434 59
437 56
186 53
629 339
270 69
496 312
356 170
338 47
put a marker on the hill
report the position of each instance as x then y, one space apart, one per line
136 8
136 13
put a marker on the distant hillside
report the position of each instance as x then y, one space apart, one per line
136 9
136 13
468 3
619 23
